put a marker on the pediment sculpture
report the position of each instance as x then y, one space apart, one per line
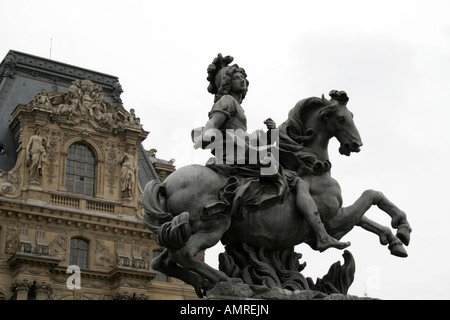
84 102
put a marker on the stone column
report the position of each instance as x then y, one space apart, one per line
43 291
21 288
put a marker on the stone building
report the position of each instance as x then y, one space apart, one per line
163 167
72 171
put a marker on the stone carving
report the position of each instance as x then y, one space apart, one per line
262 194
146 255
102 255
125 295
128 173
117 91
42 247
24 241
9 182
52 155
84 102
21 288
138 260
43 291
58 246
111 165
133 121
41 100
9 66
6 188
123 257
35 155
11 241
65 111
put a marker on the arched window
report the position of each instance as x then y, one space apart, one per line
79 252
80 170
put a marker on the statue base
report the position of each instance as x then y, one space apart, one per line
238 290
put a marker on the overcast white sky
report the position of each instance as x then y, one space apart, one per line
392 57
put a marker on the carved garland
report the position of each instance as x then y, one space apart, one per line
52 154
111 166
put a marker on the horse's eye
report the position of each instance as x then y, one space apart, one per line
341 119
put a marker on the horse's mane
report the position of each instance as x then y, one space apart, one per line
293 135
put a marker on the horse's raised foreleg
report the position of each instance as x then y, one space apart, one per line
386 236
398 217
353 215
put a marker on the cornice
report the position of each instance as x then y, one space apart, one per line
114 272
30 258
55 70
99 222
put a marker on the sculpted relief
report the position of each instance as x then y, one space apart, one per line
84 103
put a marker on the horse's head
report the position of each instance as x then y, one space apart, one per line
310 125
339 123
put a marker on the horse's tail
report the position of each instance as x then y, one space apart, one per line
170 232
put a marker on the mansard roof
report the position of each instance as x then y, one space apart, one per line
22 76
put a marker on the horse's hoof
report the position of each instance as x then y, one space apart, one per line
404 233
398 250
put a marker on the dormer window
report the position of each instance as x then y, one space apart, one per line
80 170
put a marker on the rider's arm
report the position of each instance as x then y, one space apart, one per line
215 122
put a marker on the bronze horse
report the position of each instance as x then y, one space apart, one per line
174 208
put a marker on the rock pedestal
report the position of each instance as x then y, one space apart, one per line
237 290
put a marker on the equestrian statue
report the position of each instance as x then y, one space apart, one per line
263 193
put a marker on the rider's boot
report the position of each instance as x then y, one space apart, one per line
324 240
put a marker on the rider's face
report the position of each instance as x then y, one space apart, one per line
238 83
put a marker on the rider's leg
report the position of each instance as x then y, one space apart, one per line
307 206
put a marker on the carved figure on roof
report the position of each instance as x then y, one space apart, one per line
117 91
86 102
41 100
100 110
131 119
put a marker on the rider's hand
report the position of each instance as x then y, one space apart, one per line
198 142
206 136
270 124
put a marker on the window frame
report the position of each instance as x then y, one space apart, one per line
74 259
81 170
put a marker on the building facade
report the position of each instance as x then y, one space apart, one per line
72 171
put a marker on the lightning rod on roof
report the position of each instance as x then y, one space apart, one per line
51 42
